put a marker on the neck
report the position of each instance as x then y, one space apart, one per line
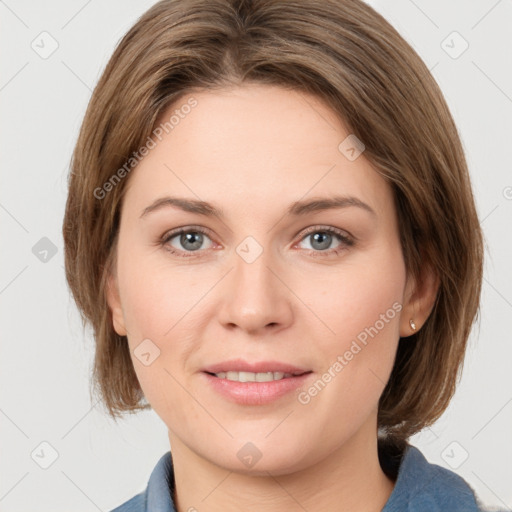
349 479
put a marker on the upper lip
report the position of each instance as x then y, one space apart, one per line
239 365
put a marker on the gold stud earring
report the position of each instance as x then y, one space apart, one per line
412 324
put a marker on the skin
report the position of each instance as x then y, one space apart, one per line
252 151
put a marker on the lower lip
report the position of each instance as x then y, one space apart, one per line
255 393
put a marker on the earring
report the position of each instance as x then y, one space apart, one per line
412 324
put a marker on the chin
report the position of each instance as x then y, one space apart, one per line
260 459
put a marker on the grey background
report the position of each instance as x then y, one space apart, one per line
46 358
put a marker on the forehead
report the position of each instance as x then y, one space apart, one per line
251 147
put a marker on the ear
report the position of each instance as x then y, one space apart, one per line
419 299
114 303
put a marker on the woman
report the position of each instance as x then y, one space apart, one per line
264 207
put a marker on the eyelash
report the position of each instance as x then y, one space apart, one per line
345 239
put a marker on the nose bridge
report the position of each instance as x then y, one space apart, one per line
255 298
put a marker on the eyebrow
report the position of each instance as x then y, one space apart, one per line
298 208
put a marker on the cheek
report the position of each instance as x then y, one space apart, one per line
361 295
158 306
163 304
360 306
156 296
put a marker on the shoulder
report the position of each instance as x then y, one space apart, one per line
425 487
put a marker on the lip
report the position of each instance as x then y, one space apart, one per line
239 365
255 393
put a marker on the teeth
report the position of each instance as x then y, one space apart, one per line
253 377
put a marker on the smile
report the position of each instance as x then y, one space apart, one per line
253 377
255 382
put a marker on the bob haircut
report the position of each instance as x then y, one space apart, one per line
348 55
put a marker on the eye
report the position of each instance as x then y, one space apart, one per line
182 241
321 239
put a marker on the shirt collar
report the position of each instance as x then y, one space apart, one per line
425 487
161 486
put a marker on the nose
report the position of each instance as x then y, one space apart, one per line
255 298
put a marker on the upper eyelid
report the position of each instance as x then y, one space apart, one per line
320 228
185 229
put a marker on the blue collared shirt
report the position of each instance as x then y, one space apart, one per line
419 487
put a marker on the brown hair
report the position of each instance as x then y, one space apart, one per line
343 52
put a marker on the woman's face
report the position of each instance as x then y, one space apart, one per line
278 279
